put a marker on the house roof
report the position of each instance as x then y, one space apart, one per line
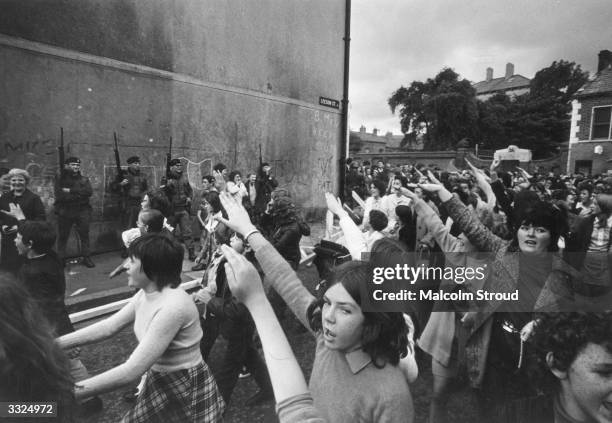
602 83
394 141
501 84
364 136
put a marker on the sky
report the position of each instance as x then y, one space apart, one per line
395 42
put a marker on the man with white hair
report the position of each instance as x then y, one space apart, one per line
17 205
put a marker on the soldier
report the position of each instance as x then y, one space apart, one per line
133 186
72 193
180 194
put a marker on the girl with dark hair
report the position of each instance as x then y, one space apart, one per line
235 186
42 274
32 367
157 200
374 201
179 385
355 351
521 265
282 225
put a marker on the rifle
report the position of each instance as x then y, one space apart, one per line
120 173
168 158
117 160
60 151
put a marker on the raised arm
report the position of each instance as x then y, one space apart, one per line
481 181
481 237
278 272
436 227
355 241
290 389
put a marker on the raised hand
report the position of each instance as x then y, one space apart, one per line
242 278
478 173
526 175
438 188
408 193
238 218
14 211
219 181
433 178
495 164
334 205
431 187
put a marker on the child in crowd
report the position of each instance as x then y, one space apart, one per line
179 385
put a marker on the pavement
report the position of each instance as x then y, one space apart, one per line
86 288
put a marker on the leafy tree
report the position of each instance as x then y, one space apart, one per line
444 108
560 80
538 120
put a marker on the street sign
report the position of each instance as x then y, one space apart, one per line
323 101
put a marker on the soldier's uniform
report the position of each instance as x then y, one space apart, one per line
72 193
180 193
132 193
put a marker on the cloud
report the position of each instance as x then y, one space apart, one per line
397 41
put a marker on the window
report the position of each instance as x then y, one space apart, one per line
601 123
583 166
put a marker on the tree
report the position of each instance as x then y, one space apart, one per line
560 80
538 120
444 108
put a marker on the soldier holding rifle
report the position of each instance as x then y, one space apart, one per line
72 193
179 192
132 185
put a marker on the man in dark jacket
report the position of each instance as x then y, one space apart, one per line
42 274
266 183
179 192
134 186
16 206
227 317
72 193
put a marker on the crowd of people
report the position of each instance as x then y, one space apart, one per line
544 358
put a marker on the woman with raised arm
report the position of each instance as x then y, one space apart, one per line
355 350
294 402
179 385
522 265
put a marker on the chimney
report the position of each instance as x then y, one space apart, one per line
362 129
374 131
509 70
605 60
489 74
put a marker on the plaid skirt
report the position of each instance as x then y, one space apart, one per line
189 395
